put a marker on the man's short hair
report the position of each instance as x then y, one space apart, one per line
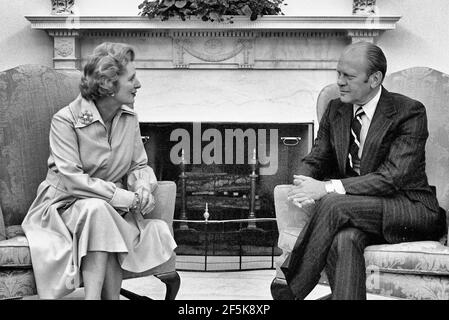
108 62
376 60
375 57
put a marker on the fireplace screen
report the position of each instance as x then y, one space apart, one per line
225 175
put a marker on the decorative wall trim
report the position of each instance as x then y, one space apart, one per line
240 23
363 35
63 47
243 44
213 33
207 33
64 33
125 33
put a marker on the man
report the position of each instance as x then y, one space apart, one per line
366 177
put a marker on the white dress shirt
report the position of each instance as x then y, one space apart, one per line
369 108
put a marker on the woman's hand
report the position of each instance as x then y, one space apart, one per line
147 201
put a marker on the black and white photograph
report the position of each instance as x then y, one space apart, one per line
218 157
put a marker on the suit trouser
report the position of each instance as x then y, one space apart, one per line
345 223
345 265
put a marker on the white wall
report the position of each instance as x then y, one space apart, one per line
421 37
293 7
18 43
317 7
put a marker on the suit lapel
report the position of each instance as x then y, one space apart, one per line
342 134
380 124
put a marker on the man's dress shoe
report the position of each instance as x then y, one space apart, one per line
281 291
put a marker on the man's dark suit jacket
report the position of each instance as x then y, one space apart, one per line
392 163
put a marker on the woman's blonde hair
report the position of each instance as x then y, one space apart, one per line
108 62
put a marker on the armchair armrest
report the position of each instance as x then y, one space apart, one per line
165 196
287 214
290 219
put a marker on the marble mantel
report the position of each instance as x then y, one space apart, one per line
360 22
68 29
282 61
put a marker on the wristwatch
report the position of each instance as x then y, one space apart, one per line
329 186
136 202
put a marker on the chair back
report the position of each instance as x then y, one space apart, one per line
326 94
29 96
430 87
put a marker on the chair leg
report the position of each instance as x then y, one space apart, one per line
133 296
172 281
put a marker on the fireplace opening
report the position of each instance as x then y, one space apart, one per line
225 175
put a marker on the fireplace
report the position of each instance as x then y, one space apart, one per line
230 168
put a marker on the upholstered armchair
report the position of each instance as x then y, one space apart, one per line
409 270
29 96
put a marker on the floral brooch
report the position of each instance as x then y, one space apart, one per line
86 117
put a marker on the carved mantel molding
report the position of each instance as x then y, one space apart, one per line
359 22
198 44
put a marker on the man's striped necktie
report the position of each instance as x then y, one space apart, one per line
354 146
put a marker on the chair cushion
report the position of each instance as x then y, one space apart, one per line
15 252
418 258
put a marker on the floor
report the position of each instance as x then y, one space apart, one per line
240 285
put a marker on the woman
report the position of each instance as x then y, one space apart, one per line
86 224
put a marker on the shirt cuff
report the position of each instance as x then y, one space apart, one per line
122 199
338 186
